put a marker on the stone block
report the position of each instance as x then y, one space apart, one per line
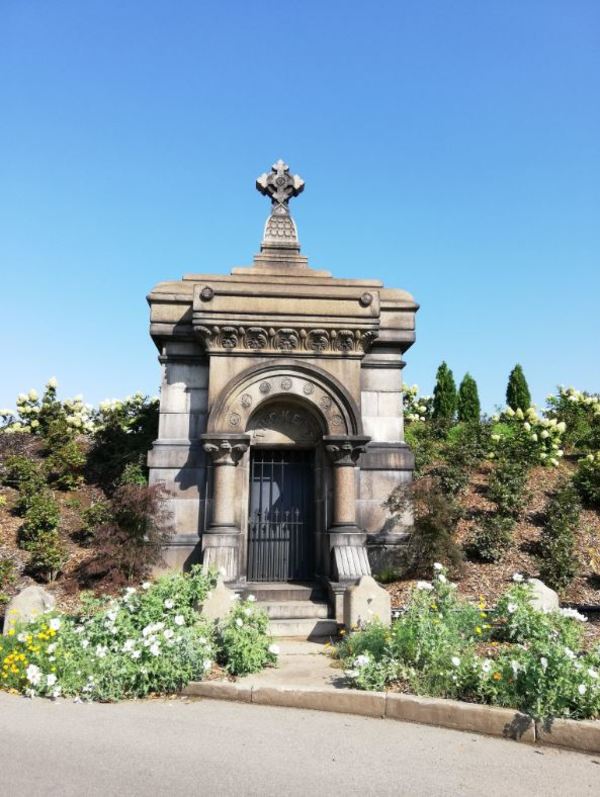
27 605
365 602
218 690
389 404
180 398
542 597
181 482
190 375
186 514
383 430
380 379
218 602
583 735
344 701
368 403
181 425
461 716
176 454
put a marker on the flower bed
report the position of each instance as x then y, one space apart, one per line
151 640
514 656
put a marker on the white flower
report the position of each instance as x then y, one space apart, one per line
79 629
135 654
248 612
128 646
517 577
274 649
511 608
239 622
207 664
362 660
582 689
34 674
22 636
168 633
169 603
155 649
50 679
56 692
179 619
569 653
456 661
251 598
486 665
146 585
592 673
544 663
101 651
573 614
515 666
51 648
32 395
54 623
442 578
202 640
129 591
85 643
52 382
425 585
438 566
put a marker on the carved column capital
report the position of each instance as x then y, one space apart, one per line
226 449
344 450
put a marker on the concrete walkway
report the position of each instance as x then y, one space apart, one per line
299 664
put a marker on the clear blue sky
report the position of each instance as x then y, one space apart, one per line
449 148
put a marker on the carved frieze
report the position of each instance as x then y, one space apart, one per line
286 340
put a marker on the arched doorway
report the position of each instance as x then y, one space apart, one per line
283 515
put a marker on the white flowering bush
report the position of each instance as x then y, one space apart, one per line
36 414
527 437
514 656
580 411
150 640
245 645
416 407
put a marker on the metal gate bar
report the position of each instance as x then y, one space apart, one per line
280 526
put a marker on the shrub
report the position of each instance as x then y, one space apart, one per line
151 640
65 465
133 473
424 442
444 395
244 644
416 408
49 417
587 481
527 438
435 520
491 537
506 487
7 578
18 469
558 561
47 556
42 516
469 408
96 515
580 412
125 431
130 542
517 390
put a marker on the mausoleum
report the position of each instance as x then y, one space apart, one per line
281 430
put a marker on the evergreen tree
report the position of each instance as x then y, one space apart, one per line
469 408
444 395
517 390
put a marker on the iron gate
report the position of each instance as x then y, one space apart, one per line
280 526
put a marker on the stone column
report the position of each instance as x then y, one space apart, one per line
347 542
221 541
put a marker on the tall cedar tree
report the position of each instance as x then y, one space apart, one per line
469 408
517 390
444 395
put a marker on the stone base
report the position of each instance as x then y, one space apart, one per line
221 552
180 554
389 555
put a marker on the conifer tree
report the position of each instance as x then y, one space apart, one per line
469 408
517 390
444 395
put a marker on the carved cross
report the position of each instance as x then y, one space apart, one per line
280 185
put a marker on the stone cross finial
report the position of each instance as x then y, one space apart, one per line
280 229
280 185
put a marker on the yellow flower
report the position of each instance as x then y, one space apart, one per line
497 676
478 630
11 632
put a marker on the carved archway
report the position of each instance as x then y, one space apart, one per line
285 381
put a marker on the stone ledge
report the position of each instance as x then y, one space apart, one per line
579 735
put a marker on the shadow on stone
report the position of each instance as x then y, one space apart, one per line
519 724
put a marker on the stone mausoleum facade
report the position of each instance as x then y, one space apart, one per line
281 430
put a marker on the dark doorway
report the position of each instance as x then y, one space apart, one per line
281 522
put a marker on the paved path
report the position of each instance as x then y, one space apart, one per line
181 747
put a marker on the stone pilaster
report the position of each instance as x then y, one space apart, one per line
222 539
347 542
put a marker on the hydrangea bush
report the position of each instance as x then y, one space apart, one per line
514 656
528 436
150 640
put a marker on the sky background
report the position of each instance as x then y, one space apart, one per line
449 148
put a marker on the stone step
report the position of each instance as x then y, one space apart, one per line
276 592
288 610
303 628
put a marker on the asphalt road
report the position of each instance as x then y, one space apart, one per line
180 747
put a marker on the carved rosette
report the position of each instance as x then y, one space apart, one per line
344 451
226 450
226 339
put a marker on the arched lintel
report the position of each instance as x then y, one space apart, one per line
264 382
